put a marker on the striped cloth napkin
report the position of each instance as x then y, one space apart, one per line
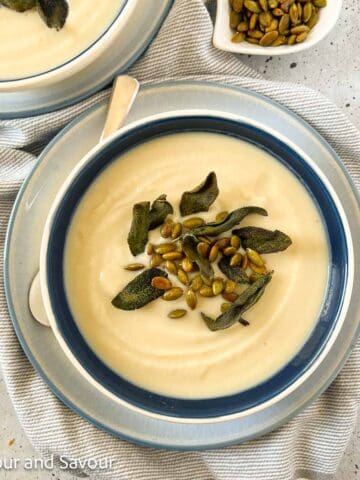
310 445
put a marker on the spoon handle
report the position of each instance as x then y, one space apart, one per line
123 94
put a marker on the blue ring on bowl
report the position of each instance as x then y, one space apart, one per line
212 407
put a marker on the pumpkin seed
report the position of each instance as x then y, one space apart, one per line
217 286
273 4
281 40
253 21
223 242
262 240
171 267
273 25
252 6
235 273
206 291
159 210
201 197
193 222
133 267
300 29
166 229
235 260
191 299
207 281
254 257
238 37
172 294
229 251
230 286
265 18
301 37
196 283
237 5
244 262
178 313
255 41
277 12
176 231
162 283
222 215
203 248
284 23
294 14
172 256
213 253
313 20
53 12
165 248
182 276
138 234
320 3
269 38
150 249
139 291
187 265
235 241
255 268
307 12
255 34
264 5
156 260
225 307
235 19
291 39
230 297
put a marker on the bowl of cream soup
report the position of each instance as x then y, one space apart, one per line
56 47
178 367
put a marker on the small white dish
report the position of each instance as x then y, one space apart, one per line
223 32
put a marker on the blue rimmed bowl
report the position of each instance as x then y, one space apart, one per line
338 294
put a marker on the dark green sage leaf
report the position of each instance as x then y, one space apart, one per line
53 12
262 240
19 5
214 229
189 244
139 291
138 234
245 300
237 274
159 210
201 197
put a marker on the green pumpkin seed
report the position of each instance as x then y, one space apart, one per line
173 256
235 273
262 240
229 251
244 262
166 229
237 5
182 276
291 40
176 231
230 286
253 21
238 37
257 269
133 267
189 244
223 242
159 210
264 5
294 14
252 6
214 251
254 41
300 29
193 222
156 260
273 25
230 297
284 23
178 313
281 40
235 19
196 283
171 267
53 12
191 299
301 37
277 12
313 20
320 3
207 281
172 294
222 215
187 265
139 291
201 197
165 248
206 291
217 286
265 19
235 260
138 234
269 38
255 34
203 249
162 283
307 12
273 4
254 257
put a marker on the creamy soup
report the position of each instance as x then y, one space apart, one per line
29 47
183 357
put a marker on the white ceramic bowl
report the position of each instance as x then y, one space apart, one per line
223 32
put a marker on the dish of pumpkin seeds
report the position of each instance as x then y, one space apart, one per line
273 22
191 259
44 34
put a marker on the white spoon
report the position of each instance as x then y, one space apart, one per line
123 94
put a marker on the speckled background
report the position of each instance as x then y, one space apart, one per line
333 68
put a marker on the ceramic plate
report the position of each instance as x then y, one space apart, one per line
142 20
31 209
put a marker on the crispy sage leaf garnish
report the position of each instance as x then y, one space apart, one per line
19 5
217 228
245 300
139 291
138 234
189 244
201 197
262 240
236 273
53 12
159 210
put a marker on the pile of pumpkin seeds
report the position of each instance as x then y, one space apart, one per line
53 12
273 22
181 266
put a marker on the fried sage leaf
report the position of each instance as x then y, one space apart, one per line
53 12
262 240
138 234
19 5
217 228
245 300
236 273
201 197
159 210
139 291
189 244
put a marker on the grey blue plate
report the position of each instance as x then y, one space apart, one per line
39 343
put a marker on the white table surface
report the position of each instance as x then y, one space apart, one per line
333 68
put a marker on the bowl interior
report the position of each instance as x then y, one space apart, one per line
212 407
